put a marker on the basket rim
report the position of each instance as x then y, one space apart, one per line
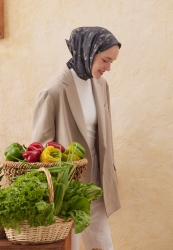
57 219
81 162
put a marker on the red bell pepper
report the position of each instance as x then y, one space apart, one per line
55 145
31 156
35 146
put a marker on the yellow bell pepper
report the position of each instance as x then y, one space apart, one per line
50 154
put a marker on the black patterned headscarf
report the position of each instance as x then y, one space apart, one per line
84 44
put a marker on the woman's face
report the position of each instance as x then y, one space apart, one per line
102 61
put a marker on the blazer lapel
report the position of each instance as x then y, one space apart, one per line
74 102
99 101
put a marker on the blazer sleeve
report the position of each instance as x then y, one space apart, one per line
43 125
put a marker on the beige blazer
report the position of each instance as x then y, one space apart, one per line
58 116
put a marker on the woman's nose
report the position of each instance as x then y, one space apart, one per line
108 68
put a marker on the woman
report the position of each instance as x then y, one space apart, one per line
76 107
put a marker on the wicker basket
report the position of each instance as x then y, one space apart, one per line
2 233
12 169
42 234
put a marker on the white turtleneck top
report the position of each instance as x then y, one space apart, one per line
85 92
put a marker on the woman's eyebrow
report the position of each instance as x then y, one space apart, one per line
109 58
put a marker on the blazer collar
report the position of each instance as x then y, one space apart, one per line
99 101
74 101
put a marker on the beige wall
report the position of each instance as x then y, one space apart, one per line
33 52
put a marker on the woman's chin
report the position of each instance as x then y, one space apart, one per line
97 76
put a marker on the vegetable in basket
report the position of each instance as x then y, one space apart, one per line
31 156
76 203
28 199
55 145
67 157
35 146
75 148
74 152
33 152
50 154
14 152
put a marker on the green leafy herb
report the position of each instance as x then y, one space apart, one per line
21 201
77 201
28 199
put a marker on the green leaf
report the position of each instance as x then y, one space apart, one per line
92 192
81 219
27 198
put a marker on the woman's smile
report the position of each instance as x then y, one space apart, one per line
101 72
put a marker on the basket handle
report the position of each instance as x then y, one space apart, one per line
50 184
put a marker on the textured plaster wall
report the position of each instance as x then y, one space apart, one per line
34 51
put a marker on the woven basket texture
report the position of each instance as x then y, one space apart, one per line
41 234
12 169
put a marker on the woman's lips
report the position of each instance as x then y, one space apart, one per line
101 72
